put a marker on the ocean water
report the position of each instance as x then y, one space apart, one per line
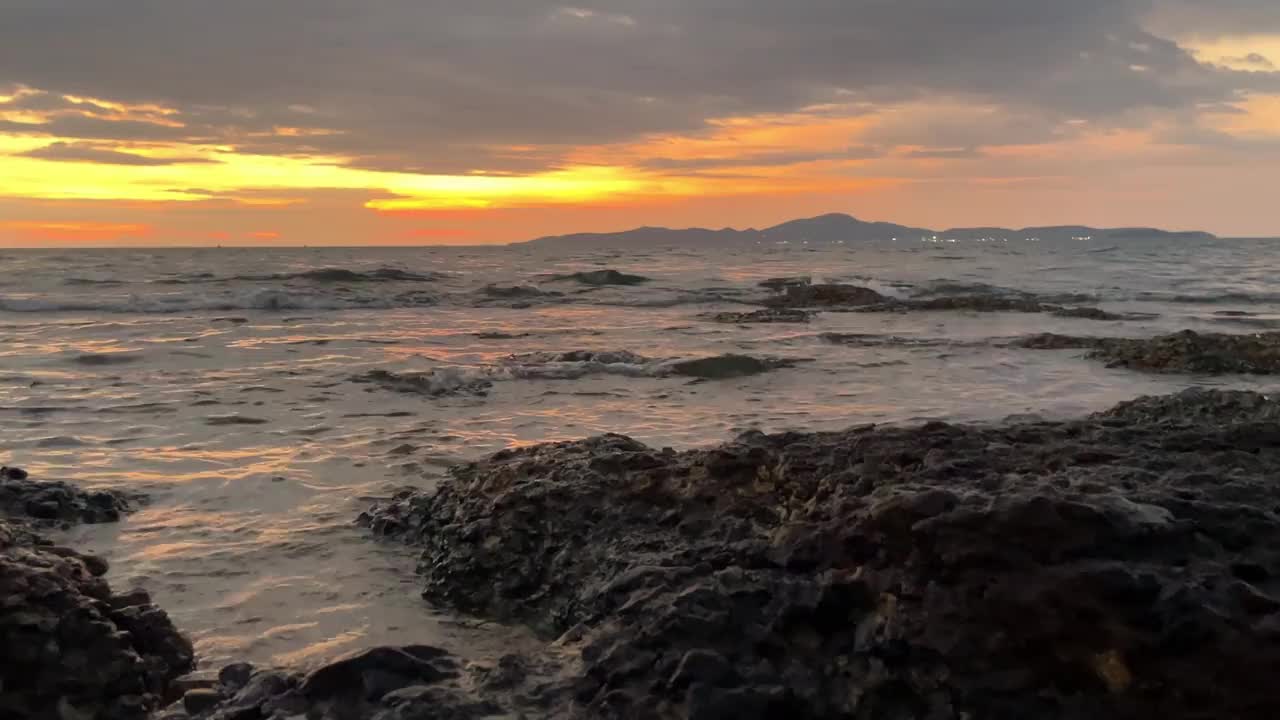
220 382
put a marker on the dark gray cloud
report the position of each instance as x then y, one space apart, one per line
83 152
433 85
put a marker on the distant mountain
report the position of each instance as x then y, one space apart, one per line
838 227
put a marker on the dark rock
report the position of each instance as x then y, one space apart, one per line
601 277
12 473
768 315
235 676
826 295
69 647
1088 313
780 284
383 683
59 502
430 384
1184 352
378 671
1106 567
723 367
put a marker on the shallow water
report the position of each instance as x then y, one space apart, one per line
219 381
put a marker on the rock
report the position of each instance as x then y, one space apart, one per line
12 473
69 647
780 284
374 673
1114 566
723 367
768 315
826 295
601 277
1089 313
199 700
1184 352
440 383
59 502
235 676
382 683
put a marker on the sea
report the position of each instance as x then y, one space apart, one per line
230 386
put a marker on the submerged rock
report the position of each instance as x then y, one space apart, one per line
724 367
1184 352
605 357
768 315
437 383
779 284
601 277
826 295
1117 566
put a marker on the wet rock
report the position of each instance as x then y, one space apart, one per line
1184 352
780 284
768 315
980 303
12 473
235 676
382 683
604 357
439 383
826 295
601 277
1085 569
67 649
1089 313
724 367
59 502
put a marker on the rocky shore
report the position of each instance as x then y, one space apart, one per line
1118 566
1125 565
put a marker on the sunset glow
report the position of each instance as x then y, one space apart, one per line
110 159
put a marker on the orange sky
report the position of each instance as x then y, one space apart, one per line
86 169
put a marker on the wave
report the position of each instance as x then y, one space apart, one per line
319 275
572 365
269 299
1239 298
77 281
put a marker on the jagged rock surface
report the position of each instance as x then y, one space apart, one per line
69 647
1119 566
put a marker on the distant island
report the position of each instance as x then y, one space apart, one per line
840 228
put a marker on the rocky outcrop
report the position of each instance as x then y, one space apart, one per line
1118 566
1184 352
70 647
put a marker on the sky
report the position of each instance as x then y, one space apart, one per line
386 122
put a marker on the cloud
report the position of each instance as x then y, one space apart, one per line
437 85
81 152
